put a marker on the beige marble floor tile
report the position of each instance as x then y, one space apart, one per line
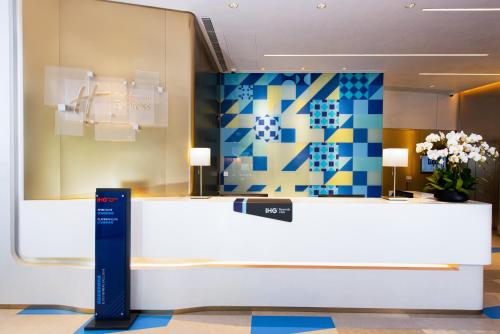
431 331
491 299
209 324
42 324
373 321
448 316
457 324
7 313
229 313
378 331
396 315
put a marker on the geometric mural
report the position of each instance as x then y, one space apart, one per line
301 134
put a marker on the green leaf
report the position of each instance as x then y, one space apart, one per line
436 186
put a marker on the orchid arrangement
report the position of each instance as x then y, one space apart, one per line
454 150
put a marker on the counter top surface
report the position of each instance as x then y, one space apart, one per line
297 200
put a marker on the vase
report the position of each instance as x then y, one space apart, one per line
450 196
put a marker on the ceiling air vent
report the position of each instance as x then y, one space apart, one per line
209 28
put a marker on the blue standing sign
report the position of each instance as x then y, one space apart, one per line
112 260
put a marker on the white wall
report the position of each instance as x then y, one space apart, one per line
419 110
6 197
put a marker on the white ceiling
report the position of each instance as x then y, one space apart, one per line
259 27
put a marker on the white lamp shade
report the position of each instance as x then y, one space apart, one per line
395 157
199 156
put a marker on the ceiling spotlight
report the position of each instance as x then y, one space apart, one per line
303 68
321 5
262 68
432 86
410 5
344 68
233 5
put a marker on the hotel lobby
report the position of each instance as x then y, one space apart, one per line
250 166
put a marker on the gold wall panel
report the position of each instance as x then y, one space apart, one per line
480 113
41 145
404 138
112 40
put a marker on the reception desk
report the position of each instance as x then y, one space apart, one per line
335 253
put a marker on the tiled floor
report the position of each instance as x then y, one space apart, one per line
244 323
247 322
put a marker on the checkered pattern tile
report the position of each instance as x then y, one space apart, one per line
324 114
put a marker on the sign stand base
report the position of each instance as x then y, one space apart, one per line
111 324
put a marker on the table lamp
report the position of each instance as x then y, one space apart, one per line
395 157
199 156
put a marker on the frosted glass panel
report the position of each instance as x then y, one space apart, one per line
142 105
62 83
112 132
110 101
82 97
68 123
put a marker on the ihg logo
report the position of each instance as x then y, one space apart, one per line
272 210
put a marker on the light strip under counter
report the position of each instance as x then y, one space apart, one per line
149 263
144 263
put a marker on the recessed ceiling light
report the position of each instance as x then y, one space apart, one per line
344 68
233 5
460 9
321 5
432 86
410 5
460 74
262 68
303 68
382 55
233 69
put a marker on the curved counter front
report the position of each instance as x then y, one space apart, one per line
334 253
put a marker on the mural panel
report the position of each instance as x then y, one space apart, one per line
301 134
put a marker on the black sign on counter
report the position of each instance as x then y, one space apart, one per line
112 260
272 208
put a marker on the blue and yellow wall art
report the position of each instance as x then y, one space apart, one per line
301 134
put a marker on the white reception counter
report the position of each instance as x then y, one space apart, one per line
336 253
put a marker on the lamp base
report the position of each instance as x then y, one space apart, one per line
395 199
200 197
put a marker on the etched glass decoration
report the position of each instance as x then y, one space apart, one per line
116 107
